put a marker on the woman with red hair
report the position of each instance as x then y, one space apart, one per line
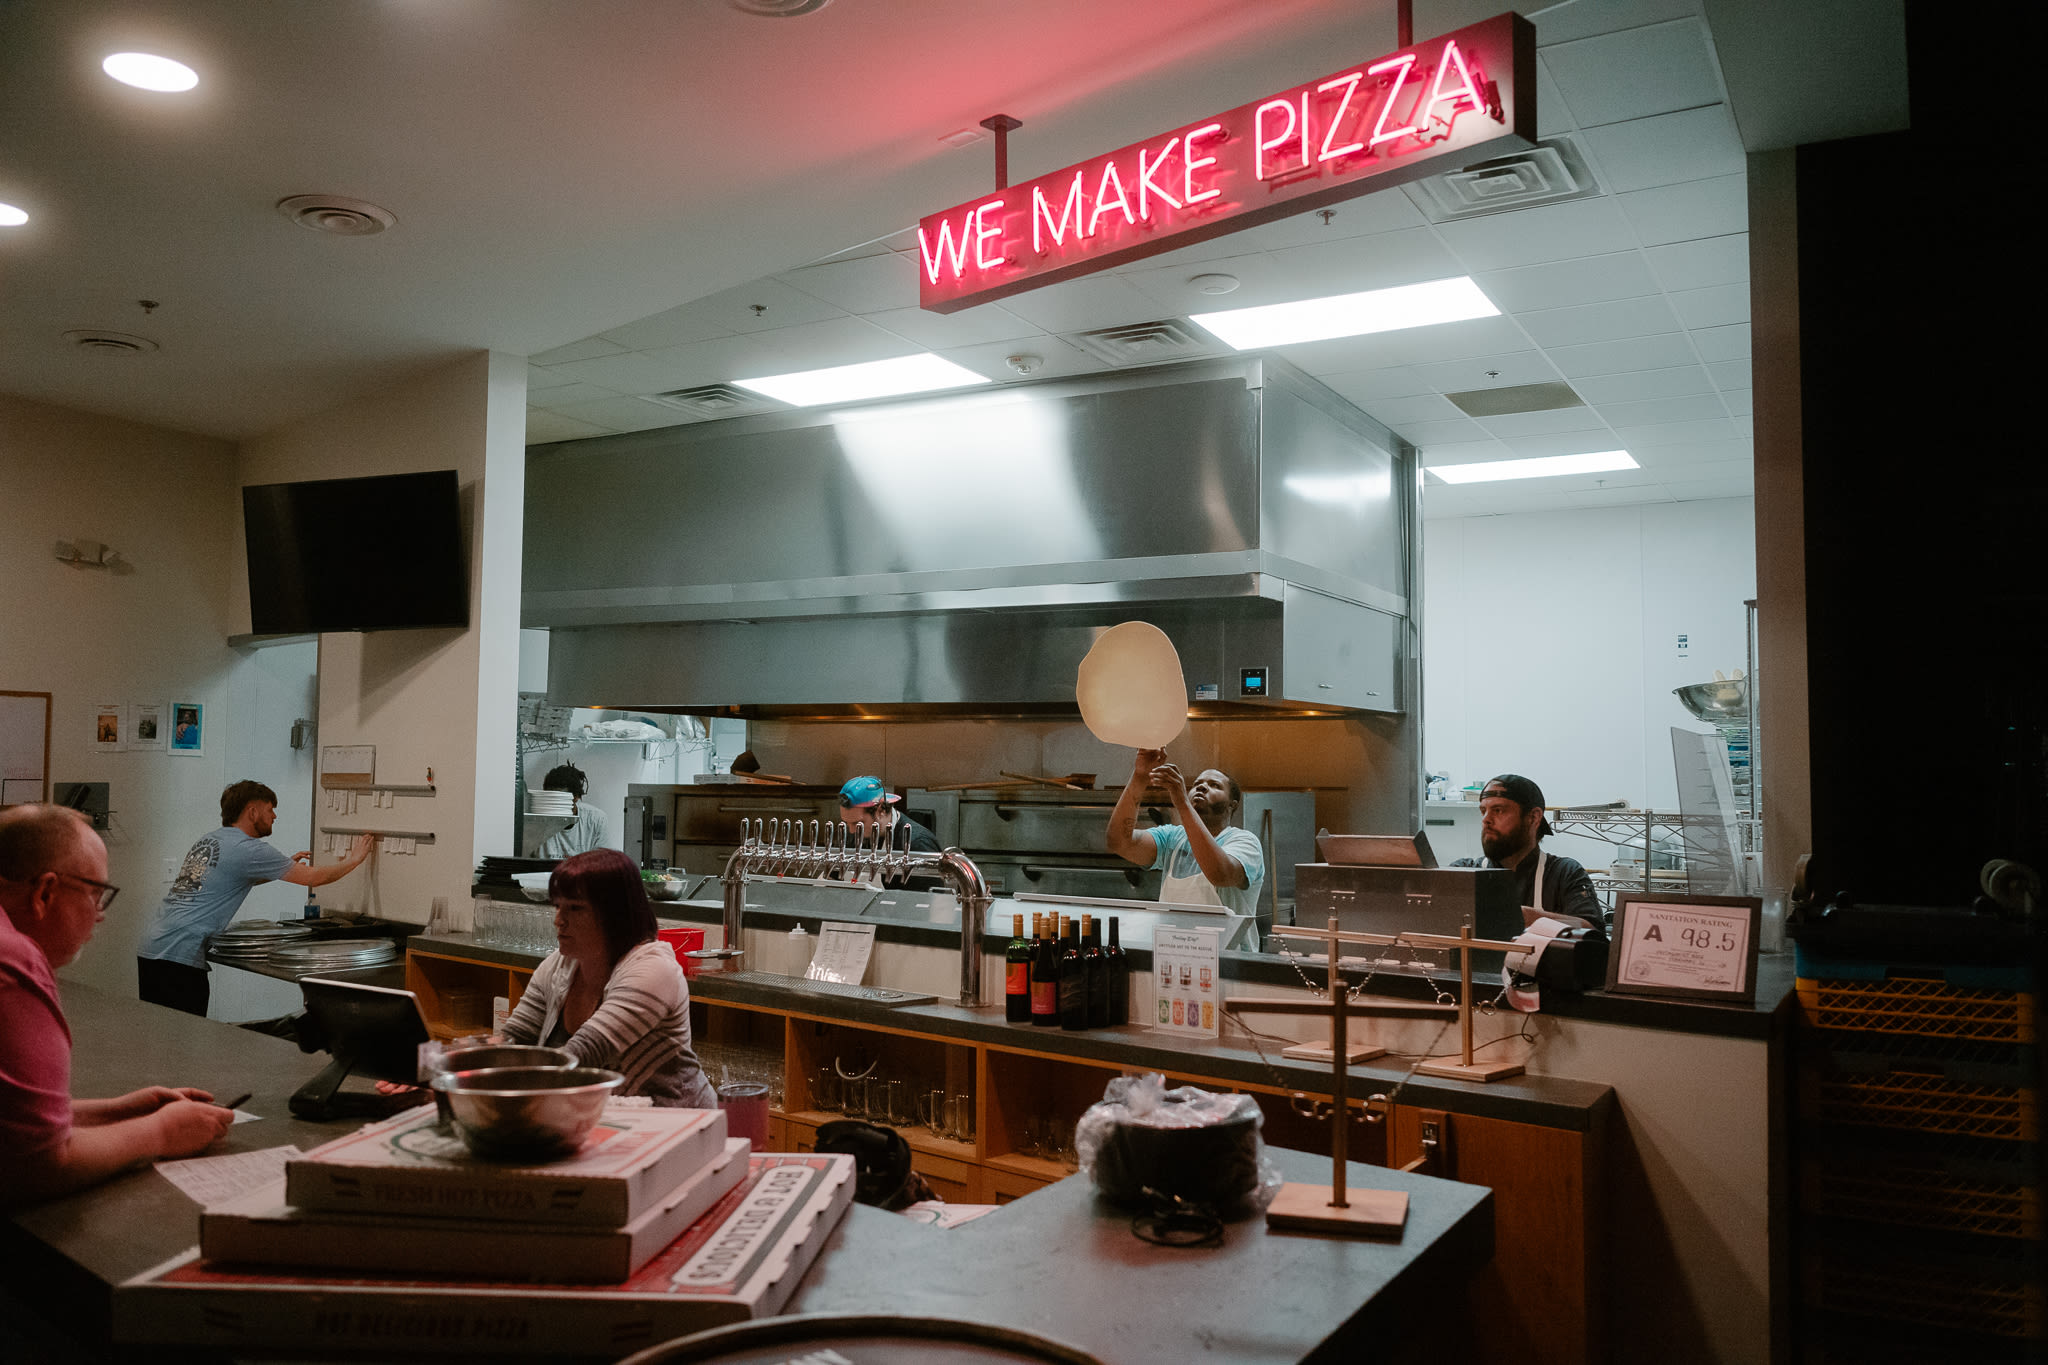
612 993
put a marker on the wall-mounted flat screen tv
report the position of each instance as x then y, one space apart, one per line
383 553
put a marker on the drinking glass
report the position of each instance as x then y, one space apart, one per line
855 1089
825 1090
935 1113
960 1118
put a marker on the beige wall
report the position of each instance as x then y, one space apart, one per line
151 629
426 699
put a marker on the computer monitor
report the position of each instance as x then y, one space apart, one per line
374 1032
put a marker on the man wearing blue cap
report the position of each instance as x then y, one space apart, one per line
864 803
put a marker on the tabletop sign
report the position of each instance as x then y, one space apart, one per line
842 953
1685 947
1452 100
1188 972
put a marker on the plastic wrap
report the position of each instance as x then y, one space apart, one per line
1142 1141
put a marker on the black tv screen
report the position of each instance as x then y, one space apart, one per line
383 553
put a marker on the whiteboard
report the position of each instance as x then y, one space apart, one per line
24 747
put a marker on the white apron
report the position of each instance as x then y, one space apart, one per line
1194 890
1528 999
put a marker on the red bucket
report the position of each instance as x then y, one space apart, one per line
684 938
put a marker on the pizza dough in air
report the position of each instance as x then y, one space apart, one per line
1130 687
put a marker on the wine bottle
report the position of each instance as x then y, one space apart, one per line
1117 969
1073 982
1045 981
1096 963
1017 975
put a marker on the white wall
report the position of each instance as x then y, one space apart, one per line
439 701
1550 641
152 629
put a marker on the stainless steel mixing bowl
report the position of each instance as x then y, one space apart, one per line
526 1113
1715 702
480 1056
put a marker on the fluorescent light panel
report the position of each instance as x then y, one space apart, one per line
1350 315
146 71
1545 468
875 379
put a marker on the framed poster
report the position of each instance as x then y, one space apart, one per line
109 727
188 727
1685 947
147 726
1190 967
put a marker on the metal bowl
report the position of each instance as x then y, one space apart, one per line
526 1113
1715 702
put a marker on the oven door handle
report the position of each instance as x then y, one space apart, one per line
1134 875
771 810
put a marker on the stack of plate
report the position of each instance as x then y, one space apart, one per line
551 803
336 956
255 938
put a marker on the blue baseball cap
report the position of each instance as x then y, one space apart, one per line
865 791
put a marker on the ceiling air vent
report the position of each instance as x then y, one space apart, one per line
1516 398
1551 172
336 214
92 339
710 400
1145 343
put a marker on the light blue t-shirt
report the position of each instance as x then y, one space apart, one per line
1173 857
216 878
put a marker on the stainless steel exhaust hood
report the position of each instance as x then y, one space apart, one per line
958 554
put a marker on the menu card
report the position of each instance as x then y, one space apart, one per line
1189 977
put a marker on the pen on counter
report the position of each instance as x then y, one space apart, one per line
238 1101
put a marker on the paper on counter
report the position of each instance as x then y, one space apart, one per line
842 953
211 1180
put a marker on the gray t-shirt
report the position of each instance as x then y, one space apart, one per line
217 876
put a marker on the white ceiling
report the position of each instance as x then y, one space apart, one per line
613 187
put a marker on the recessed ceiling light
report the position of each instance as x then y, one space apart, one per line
875 379
11 216
1547 467
1350 315
146 71
1215 284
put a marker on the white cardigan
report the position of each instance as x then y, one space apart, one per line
640 1028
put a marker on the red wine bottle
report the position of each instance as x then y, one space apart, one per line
1017 975
1073 982
1096 963
1045 981
1117 970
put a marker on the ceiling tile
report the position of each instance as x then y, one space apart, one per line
1059 358
732 310
1682 456
1429 434
1083 305
712 361
1732 374
819 345
620 372
623 414
1715 306
1466 452
1599 322
1560 284
1691 145
540 377
1510 425
1701 262
1650 436
1368 386
1697 407
587 349
867 284
1616 357
1367 214
1547 443
1556 232
1421 407
1627 495
556 395
968 327
1675 382
671 327
543 426
1697 208
1488 372
1410 346
1739 400
1553 115
1722 343
1635 73
1568 22
1352 264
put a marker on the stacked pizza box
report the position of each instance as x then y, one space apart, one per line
659 1225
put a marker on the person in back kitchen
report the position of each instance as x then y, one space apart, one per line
217 875
865 804
1511 827
53 893
1206 859
612 993
586 831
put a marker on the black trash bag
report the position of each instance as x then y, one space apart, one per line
882 1159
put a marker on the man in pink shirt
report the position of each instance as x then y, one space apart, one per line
53 892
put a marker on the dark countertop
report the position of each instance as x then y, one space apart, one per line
1546 1101
1039 1263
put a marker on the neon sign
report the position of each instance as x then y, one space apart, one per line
1467 96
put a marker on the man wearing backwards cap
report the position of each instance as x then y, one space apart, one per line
864 803
1511 821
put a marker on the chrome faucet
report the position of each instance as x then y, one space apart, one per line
767 846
